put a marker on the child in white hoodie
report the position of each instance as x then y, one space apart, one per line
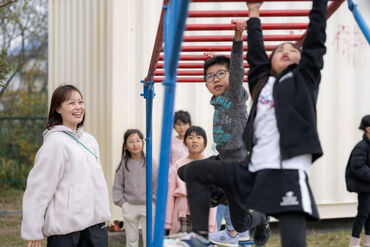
66 198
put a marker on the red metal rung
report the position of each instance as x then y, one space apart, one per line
220 38
265 26
204 48
194 57
186 72
244 13
187 79
191 65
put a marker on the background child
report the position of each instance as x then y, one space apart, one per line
129 190
195 139
181 122
358 180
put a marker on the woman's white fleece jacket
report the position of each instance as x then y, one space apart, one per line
66 189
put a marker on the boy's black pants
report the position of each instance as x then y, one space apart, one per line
363 215
93 236
200 174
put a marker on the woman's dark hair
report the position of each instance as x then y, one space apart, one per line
264 78
183 116
125 153
198 131
61 94
222 60
365 122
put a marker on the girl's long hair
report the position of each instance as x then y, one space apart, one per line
125 153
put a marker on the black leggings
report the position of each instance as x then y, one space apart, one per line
198 175
292 229
363 215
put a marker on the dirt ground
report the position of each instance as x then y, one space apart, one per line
326 233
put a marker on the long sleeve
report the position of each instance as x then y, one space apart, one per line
256 56
236 69
42 182
119 185
313 48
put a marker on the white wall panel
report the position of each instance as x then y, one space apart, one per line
104 47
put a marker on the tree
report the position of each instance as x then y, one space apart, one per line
24 36
23 100
4 67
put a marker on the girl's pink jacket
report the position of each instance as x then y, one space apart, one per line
177 204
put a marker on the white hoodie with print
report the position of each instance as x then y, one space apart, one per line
66 189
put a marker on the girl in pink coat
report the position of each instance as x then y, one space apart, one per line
178 213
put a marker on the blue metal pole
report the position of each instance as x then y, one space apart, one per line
359 19
173 34
149 95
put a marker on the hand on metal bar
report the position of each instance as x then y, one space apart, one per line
254 8
241 25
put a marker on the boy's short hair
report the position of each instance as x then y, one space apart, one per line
223 60
183 116
198 131
365 122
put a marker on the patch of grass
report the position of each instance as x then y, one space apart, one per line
13 173
10 225
10 199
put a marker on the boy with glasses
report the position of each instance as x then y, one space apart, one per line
224 79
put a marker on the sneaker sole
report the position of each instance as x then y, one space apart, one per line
223 243
244 239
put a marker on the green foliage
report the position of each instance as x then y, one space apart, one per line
23 70
23 122
4 67
13 174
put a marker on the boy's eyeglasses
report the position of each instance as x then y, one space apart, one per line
220 74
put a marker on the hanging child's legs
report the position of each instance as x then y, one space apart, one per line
198 175
292 229
131 214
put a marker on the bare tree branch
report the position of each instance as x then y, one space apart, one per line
2 5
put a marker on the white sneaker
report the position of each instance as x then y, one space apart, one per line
244 236
224 238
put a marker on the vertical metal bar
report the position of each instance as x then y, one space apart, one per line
173 30
359 19
149 95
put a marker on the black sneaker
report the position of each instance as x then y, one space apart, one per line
262 233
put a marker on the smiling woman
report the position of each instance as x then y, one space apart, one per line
72 110
59 202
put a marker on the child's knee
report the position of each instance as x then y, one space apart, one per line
180 173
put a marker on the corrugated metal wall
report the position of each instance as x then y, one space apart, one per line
104 47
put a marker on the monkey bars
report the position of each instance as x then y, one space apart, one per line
178 57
